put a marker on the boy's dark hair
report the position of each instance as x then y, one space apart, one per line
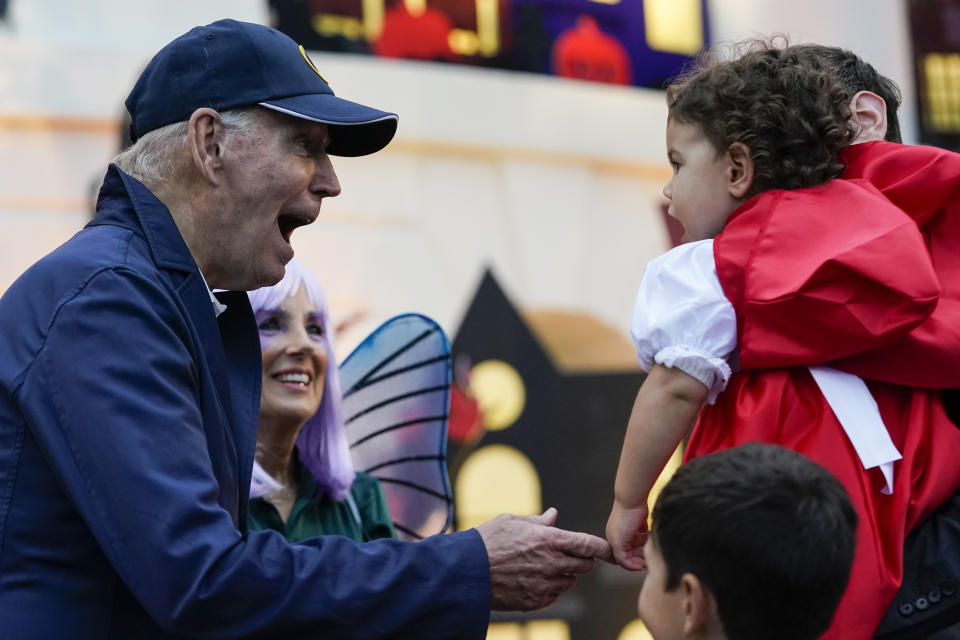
769 532
790 110
858 75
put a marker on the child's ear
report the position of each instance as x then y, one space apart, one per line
699 606
869 112
739 170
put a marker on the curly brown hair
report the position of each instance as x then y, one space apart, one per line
856 74
790 110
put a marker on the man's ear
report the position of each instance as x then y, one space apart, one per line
869 112
699 606
739 170
205 139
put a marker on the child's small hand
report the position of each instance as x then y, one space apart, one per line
627 533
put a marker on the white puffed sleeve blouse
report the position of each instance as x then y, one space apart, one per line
682 319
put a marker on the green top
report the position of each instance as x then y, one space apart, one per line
313 516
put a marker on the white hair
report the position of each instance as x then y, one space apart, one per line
151 158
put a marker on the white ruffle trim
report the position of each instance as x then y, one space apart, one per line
682 319
712 371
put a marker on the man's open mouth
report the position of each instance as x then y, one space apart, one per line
288 222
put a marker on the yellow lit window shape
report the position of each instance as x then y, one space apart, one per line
330 25
668 470
369 27
373 11
496 479
548 630
505 631
674 26
636 630
533 630
500 391
486 39
942 75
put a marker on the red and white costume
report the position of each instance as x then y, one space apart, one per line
832 309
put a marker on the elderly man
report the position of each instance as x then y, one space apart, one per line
128 393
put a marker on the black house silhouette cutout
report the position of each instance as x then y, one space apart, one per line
571 429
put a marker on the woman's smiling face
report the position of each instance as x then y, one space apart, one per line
295 360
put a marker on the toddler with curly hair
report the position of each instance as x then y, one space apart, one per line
786 275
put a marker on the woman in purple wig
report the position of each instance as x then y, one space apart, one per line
304 483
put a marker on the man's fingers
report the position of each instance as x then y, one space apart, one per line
583 545
575 566
565 583
547 518
557 586
532 562
606 555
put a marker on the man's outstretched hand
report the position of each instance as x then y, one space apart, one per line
532 562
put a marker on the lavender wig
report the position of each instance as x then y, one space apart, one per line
322 443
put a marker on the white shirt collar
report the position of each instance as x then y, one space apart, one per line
218 307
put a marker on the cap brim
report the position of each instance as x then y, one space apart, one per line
355 129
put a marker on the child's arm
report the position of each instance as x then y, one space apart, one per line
666 406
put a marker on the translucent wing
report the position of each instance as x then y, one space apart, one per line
396 400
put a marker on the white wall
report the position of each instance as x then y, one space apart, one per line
116 25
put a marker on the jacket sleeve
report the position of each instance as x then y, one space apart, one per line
822 273
112 399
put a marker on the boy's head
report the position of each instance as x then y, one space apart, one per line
858 76
774 119
754 542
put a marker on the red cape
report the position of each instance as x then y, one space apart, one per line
823 273
925 183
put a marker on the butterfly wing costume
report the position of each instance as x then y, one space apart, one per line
396 401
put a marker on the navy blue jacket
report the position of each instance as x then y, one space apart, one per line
128 415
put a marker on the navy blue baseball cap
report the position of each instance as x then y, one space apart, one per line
230 64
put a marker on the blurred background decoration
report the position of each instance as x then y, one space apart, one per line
517 205
552 387
935 27
636 42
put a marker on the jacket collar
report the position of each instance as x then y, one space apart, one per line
229 342
147 215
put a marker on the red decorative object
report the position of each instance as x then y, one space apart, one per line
587 53
421 37
465 424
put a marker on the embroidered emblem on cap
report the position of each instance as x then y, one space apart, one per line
303 52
